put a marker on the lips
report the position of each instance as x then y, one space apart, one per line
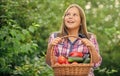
70 21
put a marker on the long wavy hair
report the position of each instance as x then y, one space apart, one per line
82 28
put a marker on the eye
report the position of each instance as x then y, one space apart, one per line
75 14
68 14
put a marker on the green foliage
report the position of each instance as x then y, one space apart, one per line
25 26
35 67
15 42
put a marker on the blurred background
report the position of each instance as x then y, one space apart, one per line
25 26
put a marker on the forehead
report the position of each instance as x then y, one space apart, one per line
73 10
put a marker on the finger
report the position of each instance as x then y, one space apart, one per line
58 39
87 44
83 40
54 43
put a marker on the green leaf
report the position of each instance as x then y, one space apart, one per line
31 29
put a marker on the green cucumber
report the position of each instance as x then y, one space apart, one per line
75 59
87 60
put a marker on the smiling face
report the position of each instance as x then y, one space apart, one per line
72 19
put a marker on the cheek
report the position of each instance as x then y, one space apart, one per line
65 20
78 21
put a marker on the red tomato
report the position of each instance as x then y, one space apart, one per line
62 60
76 54
67 62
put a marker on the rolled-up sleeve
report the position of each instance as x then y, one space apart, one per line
94 41
51 37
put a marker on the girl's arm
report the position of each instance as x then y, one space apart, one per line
93 46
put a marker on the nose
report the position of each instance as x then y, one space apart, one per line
70 16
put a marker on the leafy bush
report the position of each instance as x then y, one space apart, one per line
35 67
25 26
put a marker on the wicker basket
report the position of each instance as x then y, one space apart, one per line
81 69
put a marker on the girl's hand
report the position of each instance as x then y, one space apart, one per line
56 41
87 42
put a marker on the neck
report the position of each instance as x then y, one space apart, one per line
73 32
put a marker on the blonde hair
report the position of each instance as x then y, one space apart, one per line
82 29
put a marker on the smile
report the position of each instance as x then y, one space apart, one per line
70 22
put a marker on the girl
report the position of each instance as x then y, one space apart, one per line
74 23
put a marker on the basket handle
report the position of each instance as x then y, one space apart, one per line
53 58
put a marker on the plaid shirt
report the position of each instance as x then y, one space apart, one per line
66 46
